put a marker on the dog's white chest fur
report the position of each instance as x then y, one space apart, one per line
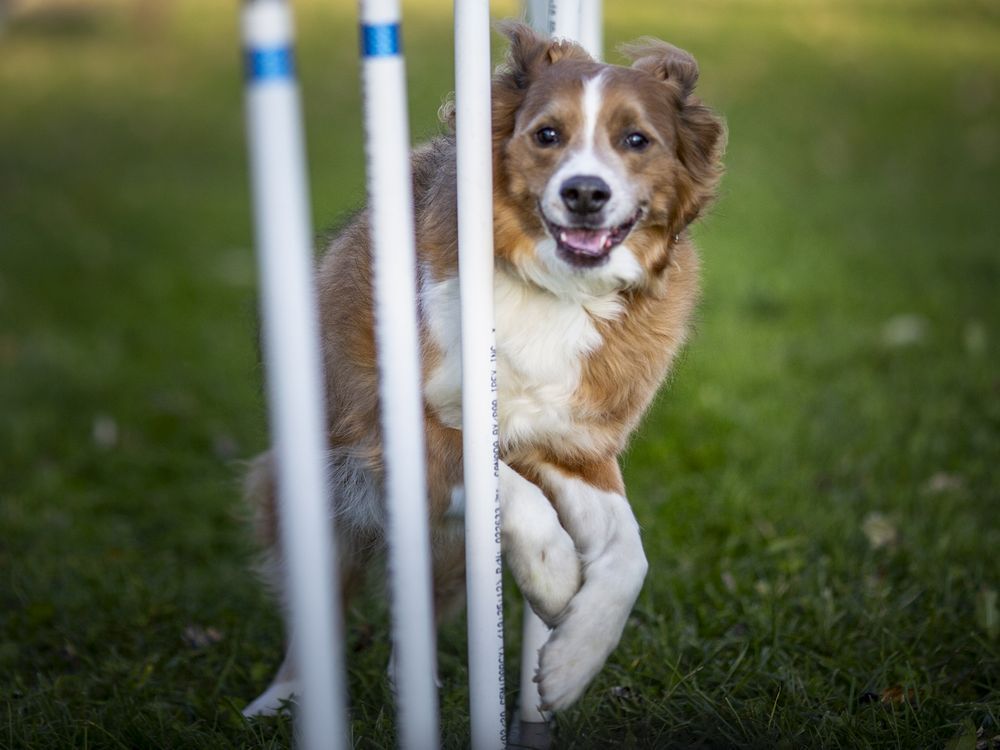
542 341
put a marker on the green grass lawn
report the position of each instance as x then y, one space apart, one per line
819 485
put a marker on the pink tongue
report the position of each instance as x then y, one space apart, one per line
590 241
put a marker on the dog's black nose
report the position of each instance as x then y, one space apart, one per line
584 194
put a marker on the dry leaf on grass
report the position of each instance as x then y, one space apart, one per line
879 530
942 481
898 694
197 636
904 330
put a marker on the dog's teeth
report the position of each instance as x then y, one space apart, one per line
562 236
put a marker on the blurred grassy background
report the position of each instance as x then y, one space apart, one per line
819 487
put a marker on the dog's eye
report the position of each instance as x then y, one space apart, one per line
547 136
636 141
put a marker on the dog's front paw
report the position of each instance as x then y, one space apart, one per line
546 567
571 658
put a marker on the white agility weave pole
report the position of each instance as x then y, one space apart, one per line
564 19
480 430
592 27
534 633
283 233
579 20
536 13
390 201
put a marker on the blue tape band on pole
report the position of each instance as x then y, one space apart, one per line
380 40
273 63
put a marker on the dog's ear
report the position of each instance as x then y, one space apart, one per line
526 55
679 71
664 61
701 135
530 52
529 55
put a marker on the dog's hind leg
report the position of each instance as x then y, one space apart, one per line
448 559
285 683
357 542
281 690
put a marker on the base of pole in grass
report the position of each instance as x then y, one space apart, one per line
529 735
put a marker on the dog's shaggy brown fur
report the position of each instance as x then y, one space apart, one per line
630 324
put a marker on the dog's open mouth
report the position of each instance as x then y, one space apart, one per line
589 246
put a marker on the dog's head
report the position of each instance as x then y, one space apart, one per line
598 167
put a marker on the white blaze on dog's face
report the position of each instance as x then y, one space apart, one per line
585 197
597 162
588 204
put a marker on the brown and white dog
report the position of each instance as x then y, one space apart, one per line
599 170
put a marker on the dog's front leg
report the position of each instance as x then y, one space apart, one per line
538 551
606 534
